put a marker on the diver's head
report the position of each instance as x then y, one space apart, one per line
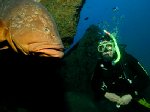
106 48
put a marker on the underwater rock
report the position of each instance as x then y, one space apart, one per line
79 62
76 70
37 0
80 102
67 14
28 27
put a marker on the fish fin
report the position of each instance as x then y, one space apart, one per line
10 40
3 31
5 47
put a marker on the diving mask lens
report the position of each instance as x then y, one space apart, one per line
108 46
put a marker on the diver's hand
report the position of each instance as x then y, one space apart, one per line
112 97
124 100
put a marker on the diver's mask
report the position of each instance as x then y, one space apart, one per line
106 46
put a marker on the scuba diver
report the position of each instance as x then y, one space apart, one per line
119 82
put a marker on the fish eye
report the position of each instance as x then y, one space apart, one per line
46 29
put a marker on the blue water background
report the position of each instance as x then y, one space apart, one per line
131 17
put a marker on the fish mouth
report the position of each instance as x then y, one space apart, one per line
54 50
50 52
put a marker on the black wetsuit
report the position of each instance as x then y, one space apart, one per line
126 77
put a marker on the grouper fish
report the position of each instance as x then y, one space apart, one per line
29 28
